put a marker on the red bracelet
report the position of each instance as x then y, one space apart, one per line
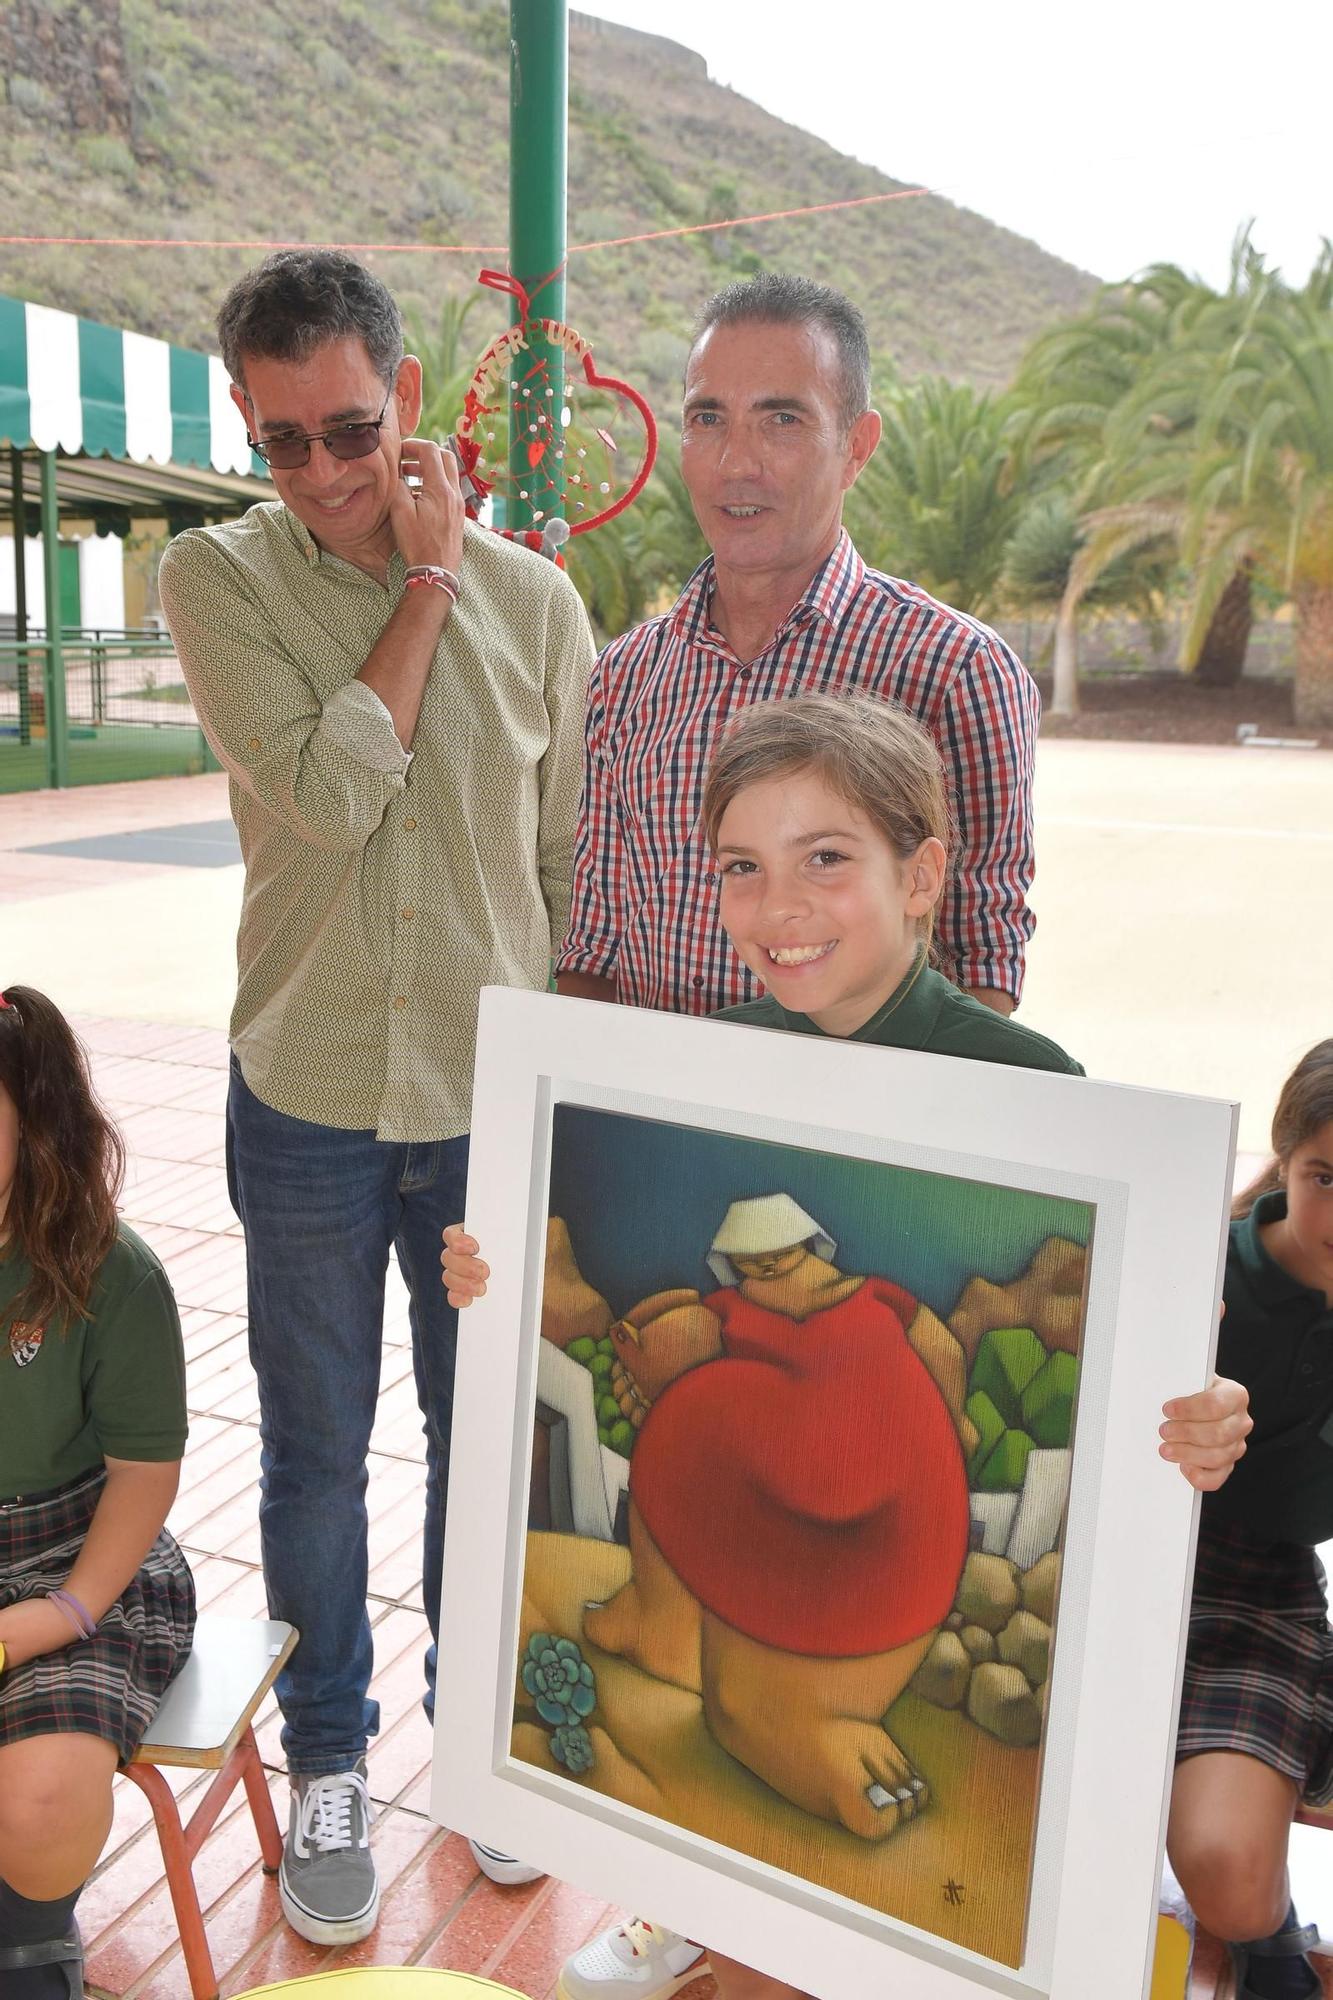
426 576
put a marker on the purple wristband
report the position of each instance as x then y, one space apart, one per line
78 1614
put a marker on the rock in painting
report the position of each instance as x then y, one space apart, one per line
1026 1643
1048 1297
571 1309
942 1677
988 1592
1000 1701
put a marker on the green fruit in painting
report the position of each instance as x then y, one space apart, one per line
603 1434
1048 1401
608 1410
601 1366
607 1346
1007 1360
989 1424
582 1350
622 1437
1005 1465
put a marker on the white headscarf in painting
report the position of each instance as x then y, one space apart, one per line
768 1222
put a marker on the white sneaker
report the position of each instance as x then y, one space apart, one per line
504 1868
635 1961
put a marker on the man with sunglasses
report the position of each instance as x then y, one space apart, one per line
398 698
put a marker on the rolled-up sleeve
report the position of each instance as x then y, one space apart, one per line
592 941
988 729
327 769
569 657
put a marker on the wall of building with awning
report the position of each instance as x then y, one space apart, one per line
103 431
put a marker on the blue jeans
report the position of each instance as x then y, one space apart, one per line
321 1209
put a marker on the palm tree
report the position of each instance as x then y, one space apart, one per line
1235 460
1094 412
1039 563
447 361
938 501
1261 485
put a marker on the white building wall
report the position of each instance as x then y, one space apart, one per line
101 580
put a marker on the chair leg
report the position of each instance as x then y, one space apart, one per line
261 1803
180 1879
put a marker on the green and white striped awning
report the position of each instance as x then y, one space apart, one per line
71 385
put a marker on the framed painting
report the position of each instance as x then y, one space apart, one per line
823 1591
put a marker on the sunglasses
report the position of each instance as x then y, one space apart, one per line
343 441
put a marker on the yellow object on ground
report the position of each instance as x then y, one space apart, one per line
1171 1961
386 1982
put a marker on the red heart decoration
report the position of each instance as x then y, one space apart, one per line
536 451
640 480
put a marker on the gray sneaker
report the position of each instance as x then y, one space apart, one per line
327 1882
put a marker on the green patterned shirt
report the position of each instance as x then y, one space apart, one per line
383 889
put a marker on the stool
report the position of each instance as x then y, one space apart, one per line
206 1723
386 1982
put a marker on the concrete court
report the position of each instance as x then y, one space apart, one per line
1183 895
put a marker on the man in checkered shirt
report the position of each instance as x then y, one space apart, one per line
777 428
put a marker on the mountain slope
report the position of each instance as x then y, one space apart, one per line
344 120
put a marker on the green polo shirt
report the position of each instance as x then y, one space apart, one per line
928 1012
1277 1338
109 1386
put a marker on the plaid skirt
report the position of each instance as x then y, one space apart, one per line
1259 1659
109 1685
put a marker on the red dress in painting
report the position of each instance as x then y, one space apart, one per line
808 1486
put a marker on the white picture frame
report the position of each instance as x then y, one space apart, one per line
1158 1168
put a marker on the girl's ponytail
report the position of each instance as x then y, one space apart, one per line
1304 1106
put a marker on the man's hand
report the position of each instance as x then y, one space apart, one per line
1205 1433
465 1274
427 520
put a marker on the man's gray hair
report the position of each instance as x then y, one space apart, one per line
296 301
779 298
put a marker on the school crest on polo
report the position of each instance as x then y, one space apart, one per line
25 1341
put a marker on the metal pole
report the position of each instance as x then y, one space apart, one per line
538 120
19 501
57 722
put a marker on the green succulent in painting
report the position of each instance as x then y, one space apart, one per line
571 1746
559 1680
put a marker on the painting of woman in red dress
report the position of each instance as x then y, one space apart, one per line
798 1509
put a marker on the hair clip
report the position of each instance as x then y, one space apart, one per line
4 1002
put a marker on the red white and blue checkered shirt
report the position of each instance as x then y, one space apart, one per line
645 886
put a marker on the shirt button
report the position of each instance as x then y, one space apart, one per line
409 824
408 914
256 743
744 673
697 981
710 877
400 1001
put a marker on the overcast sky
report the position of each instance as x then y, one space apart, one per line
1115 136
